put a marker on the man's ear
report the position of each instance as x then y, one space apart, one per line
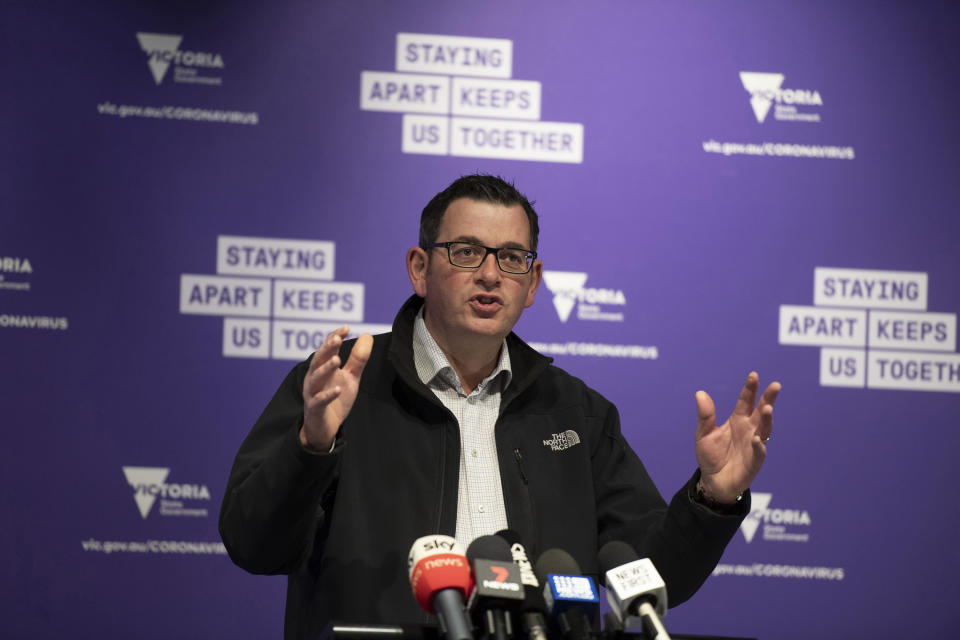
536 273
417 270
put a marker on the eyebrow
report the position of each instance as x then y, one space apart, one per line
476 240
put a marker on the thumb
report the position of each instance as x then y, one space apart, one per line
706 414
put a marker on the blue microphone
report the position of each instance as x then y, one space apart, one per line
571 597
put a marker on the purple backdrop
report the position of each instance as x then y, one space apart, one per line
191 192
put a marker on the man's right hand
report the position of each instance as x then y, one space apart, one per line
329 391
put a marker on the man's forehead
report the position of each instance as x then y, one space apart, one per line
479 220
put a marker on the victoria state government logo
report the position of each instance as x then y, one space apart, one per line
766 90
163 50
569 290
783 525
150 483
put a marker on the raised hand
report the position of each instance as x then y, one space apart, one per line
329 390
731 455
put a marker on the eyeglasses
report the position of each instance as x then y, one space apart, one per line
470 256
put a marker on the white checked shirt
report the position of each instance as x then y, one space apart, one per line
480 508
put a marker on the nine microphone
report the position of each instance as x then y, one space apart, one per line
440 578
534 608
634 588
571 598
498 592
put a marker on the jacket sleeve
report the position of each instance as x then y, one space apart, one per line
272 505
684 539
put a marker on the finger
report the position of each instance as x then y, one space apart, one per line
766 422
319 377
765 409
359 355
770 394
748 395
329 347
706 414
324 397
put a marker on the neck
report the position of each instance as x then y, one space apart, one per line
471 371
472 359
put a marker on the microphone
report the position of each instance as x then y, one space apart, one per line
571 598
534 608
497 592
635 589
440 579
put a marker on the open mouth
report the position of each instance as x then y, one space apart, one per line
485 301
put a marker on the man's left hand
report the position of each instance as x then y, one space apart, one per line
731 455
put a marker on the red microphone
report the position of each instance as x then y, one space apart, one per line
441 581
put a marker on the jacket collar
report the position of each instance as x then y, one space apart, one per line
527 364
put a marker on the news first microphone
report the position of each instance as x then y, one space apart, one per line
533 611
571 597
440 579
635 590
497 593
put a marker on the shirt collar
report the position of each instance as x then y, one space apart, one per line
431 363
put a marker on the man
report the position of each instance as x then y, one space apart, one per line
440 427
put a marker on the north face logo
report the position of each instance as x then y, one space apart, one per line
561 441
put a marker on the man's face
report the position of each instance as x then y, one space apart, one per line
467 305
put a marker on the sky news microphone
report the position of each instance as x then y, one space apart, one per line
571 597
441 581
635 590
533 612
497 592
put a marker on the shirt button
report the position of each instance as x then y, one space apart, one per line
480 508
474 453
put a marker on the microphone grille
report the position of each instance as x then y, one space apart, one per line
555 561
511 536
489 548
615 553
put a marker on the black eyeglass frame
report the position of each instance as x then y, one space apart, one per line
531 255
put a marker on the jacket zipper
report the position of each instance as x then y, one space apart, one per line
534 534
519 458
443 471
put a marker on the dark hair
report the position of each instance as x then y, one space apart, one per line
485 188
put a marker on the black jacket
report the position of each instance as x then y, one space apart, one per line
341 525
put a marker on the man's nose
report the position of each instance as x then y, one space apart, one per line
489 269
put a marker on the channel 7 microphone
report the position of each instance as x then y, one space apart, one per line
533 611
440 579
635 590
498 593
571 597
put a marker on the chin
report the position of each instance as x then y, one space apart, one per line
488 328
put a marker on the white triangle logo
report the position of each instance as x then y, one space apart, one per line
159 48
758 506
763 88
565 287
141 479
